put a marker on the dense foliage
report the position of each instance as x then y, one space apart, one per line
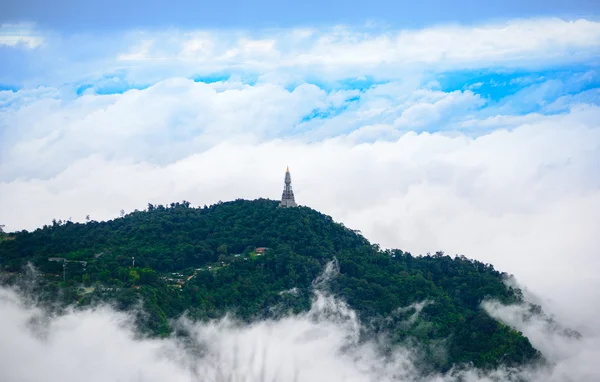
204 261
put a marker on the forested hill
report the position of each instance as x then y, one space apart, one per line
175 237
212 260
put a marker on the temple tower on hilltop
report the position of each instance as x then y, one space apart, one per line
287 198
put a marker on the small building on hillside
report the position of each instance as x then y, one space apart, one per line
261 250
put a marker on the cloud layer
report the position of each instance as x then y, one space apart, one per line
19 35
518 43
326 54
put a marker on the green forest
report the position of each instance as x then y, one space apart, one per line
238 257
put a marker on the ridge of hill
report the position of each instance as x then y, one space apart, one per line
238 257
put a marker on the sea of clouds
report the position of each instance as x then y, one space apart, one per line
502 168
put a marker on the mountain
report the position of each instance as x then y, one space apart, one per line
241 257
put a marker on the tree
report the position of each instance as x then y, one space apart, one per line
123 274
148 276
133 276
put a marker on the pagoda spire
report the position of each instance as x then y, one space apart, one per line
287 197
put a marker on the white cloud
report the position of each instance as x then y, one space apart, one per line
474 86
198 45
572 358
178 117
141 51
165 122
348 51
443 106
19 35
323 54
591 96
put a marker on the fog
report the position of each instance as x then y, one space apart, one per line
323 344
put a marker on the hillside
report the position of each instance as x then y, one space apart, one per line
208 261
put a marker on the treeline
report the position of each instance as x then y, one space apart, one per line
167 238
